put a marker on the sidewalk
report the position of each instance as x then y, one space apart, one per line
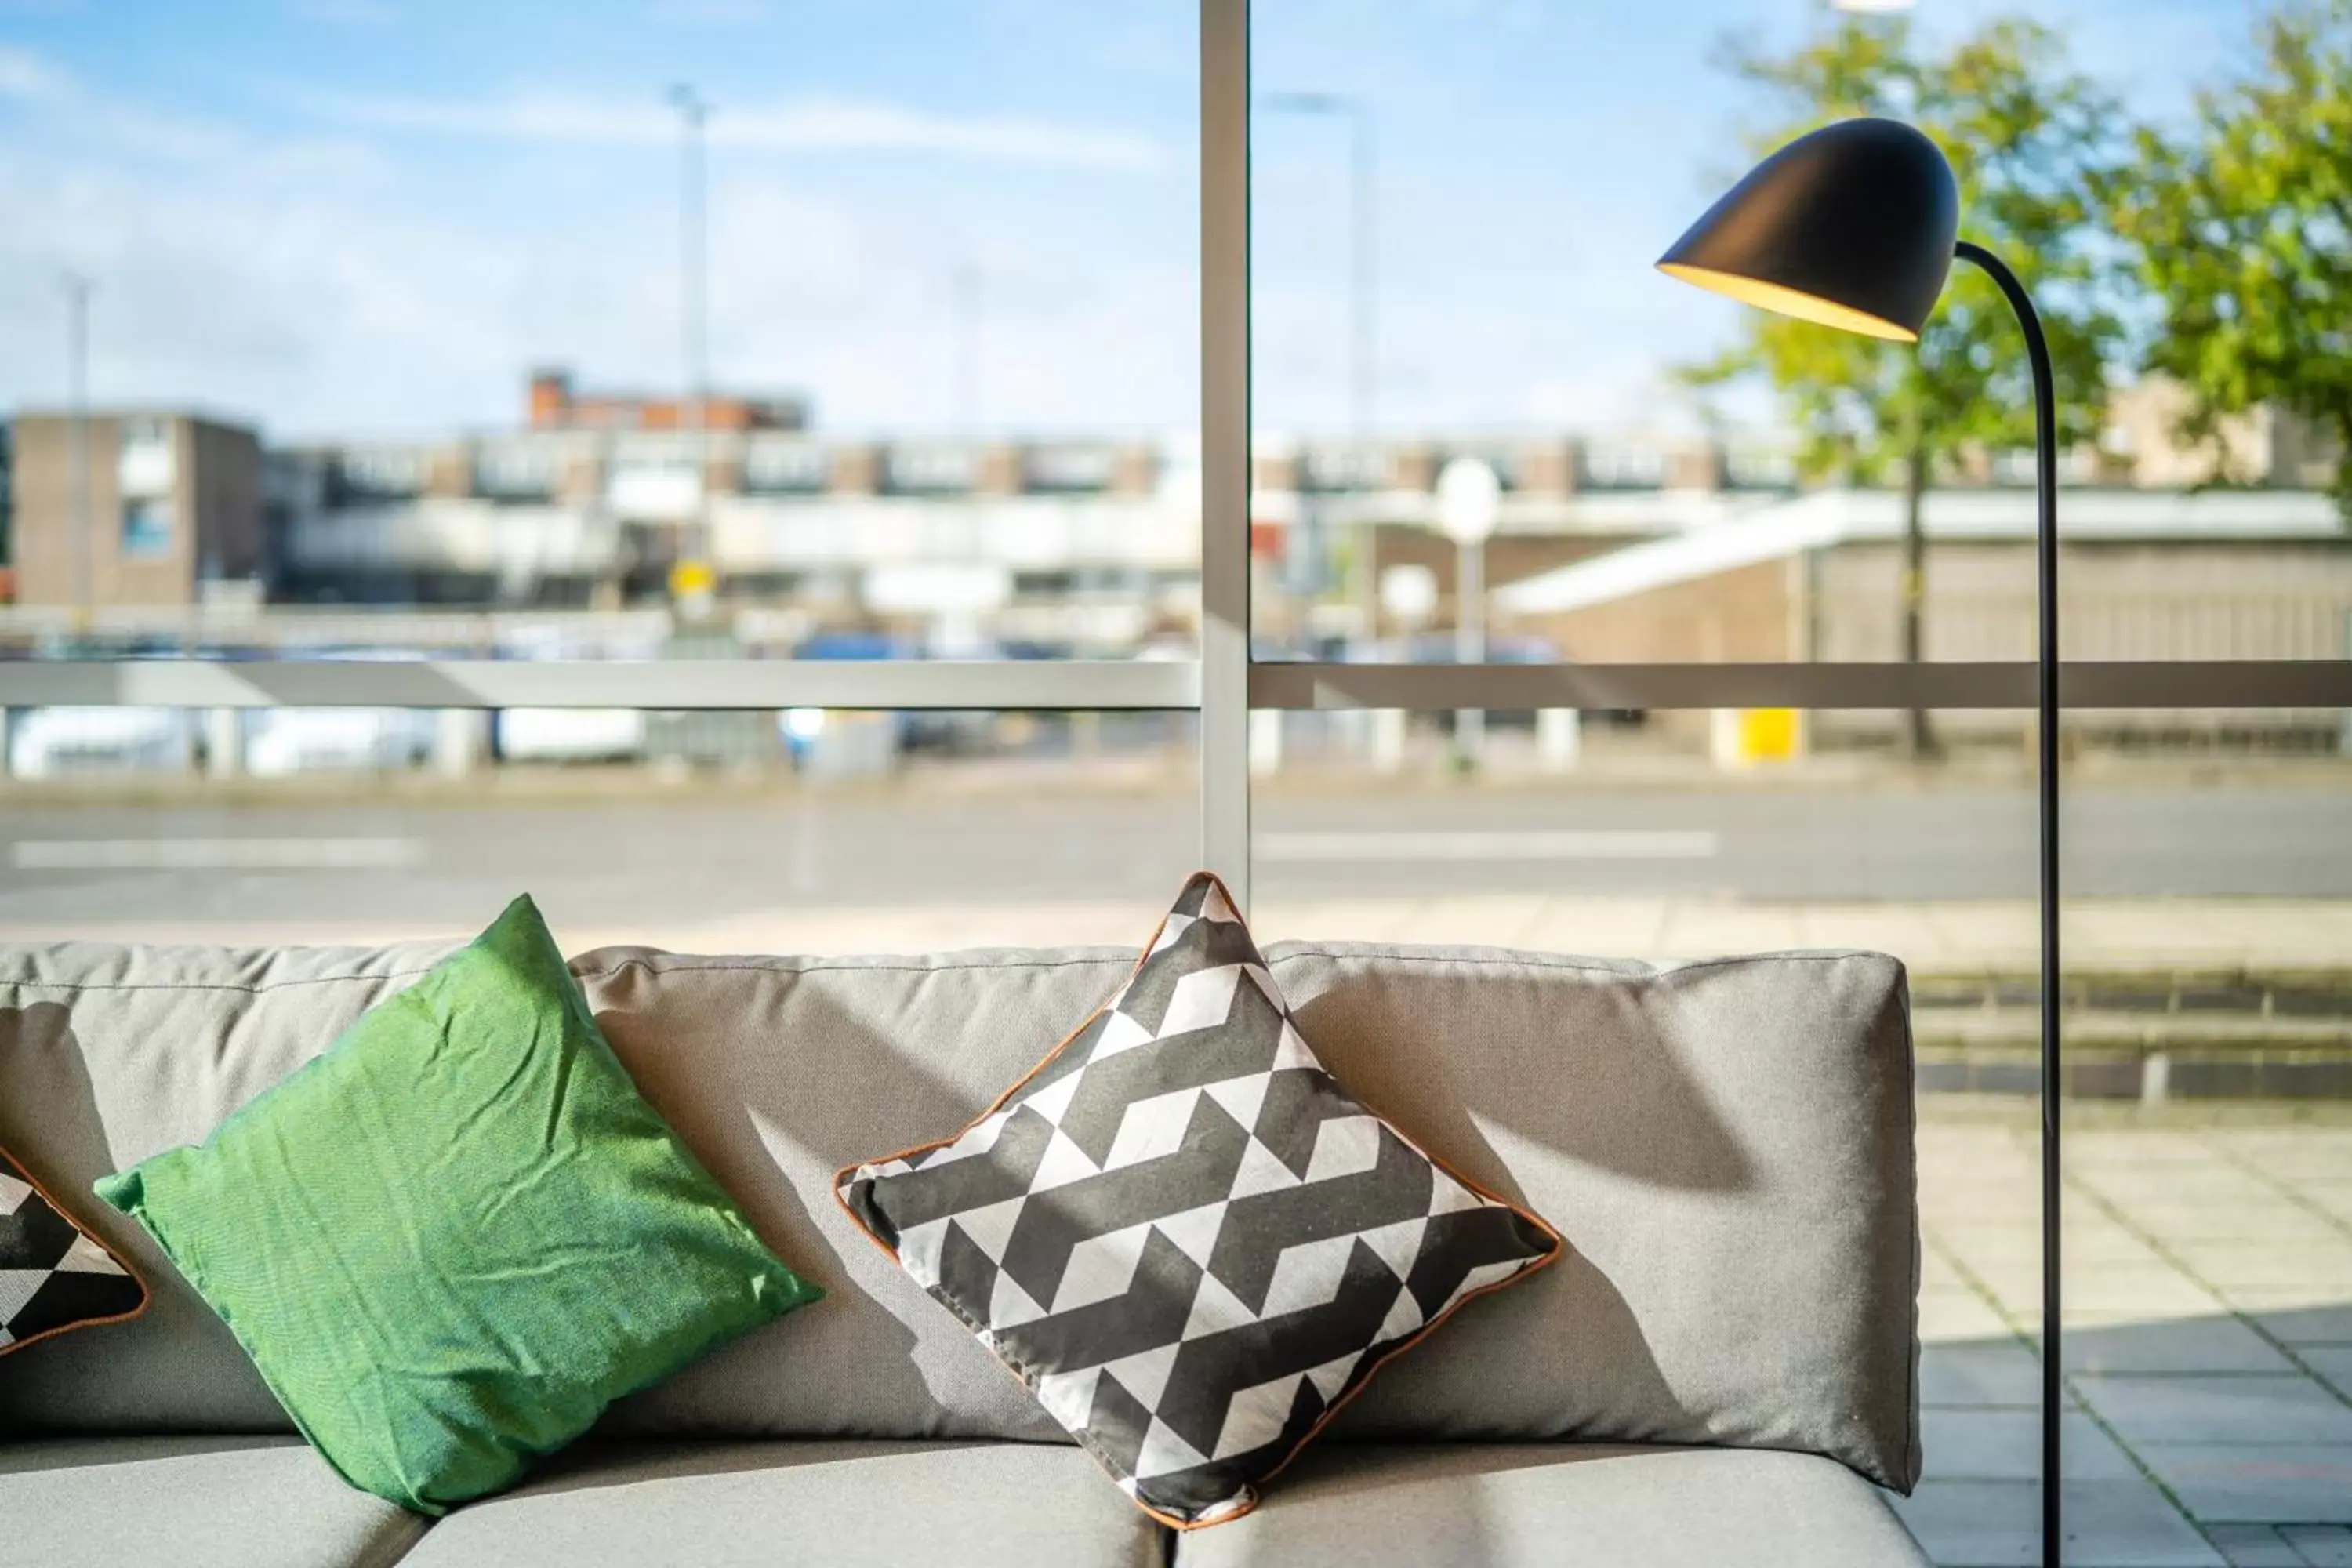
2209 1349
1953 939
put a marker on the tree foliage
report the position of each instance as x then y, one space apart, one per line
2032 143
2242 231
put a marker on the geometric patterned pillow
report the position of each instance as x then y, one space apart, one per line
1183 1235
54 1276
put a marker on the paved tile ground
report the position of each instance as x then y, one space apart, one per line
2208 1348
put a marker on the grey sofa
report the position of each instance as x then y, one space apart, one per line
1717 1372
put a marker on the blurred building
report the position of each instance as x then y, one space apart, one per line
1609 549
1093 540
2266 447
131 508
556 405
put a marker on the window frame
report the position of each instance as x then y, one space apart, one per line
1225 684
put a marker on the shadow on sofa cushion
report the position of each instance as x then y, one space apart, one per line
193 1502
1531 1506
842 1504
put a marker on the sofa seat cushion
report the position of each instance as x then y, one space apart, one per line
1521 1505
194 1502
843 1504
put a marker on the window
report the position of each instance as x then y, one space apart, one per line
145 465
364 474
1051 504
787 468
146 530
517 472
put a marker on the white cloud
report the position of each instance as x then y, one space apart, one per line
355 280
706 10
38 87
328 287
345 13
26 79
808 125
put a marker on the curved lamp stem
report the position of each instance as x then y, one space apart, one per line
2046 486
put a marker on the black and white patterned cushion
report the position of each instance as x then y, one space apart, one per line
54 1276
1183 1235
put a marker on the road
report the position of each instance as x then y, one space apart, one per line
699 856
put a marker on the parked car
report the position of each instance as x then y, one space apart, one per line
53 742
1437 648
821 743
281 741
569 734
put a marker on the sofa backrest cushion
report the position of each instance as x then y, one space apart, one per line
110 1054
1726 1146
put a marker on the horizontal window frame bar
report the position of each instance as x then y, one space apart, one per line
1038 685
2243 683
1110 686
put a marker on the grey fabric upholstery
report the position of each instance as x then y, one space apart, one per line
1554 1506
844 1505
777 1072
193 1502
110 1054
1726 1146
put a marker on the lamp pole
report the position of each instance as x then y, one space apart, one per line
1857 226
1470 641
1469 503
693 256
1363 297
2045 557
77 455
969 301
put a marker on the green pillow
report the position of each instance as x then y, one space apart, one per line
454 1237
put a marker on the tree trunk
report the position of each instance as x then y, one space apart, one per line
1920 734
2343 481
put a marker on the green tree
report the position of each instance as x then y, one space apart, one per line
2242 230
2032 143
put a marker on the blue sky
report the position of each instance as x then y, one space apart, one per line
362 216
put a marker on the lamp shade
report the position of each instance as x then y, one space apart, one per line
1852 226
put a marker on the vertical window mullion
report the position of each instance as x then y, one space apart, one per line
1225 444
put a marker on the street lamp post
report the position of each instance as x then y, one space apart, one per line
1363 367
969 301
1469 501
1409 596
77 456
692 581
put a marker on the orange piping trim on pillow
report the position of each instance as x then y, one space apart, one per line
1559 1245
146 1294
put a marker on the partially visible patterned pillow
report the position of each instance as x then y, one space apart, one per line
1183 1235
54 1276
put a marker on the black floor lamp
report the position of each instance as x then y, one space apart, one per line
1855 226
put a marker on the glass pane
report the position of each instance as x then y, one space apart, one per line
673 330
2209 1236
807 831
1456 217
2208 872
1654 835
